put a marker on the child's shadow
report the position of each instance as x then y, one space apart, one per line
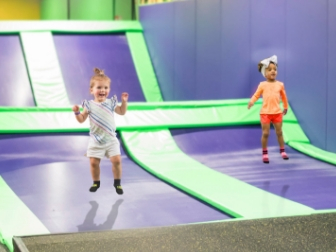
89 225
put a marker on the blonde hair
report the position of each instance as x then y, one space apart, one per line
99 75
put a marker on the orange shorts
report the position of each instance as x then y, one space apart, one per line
270 118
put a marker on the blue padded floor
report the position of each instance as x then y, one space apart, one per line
50 174
236 151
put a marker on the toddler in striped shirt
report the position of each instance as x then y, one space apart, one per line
103 141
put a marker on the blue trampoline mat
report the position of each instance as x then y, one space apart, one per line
236 151
50 174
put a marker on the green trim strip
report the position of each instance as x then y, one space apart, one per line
66 26
143 66
44 71
313 151
35 122
292 132
33 109
157 152
28 121
160 115
16 219
154 106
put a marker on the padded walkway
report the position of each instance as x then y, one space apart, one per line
296 234
3 248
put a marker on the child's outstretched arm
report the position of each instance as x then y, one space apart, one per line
121 110
80 117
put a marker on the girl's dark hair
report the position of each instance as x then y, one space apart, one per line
260 65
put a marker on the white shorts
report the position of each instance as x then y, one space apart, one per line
109 149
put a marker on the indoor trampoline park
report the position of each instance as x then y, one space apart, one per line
192 169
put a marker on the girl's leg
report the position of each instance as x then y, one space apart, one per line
117 172
95 173
264 140
116 166
265 127
278 131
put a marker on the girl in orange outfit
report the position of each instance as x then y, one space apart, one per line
271 91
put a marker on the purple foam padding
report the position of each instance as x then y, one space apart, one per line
331 104
204 56
78 54
307 66
209 61
15 89
191 53
303 39
262 37
236 49
184 52
51 175
159 23
236 151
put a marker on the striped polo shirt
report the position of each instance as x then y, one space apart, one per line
102 123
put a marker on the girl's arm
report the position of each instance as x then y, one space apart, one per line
80 117
121 110
255 96
284 99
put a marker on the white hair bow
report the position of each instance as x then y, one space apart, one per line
266 63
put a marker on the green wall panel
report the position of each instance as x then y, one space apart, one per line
91 10
54 9
123 9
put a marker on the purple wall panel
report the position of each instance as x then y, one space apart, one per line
331 88
301 33
306 65
268 35
185 53
79 54
15 89
235 49
158 21
208 41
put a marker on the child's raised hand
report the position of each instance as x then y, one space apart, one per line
75 108
124 97
250 104
284 112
